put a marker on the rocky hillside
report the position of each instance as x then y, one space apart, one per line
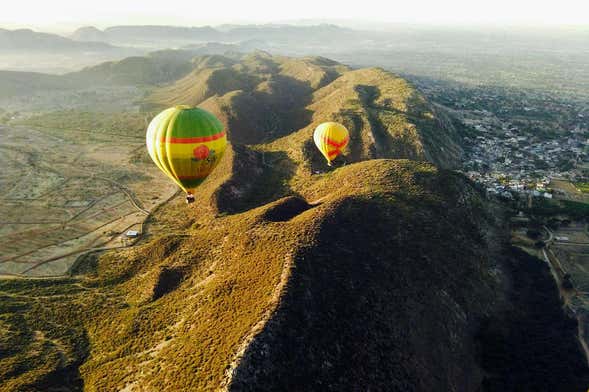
380 274
383 274
262 98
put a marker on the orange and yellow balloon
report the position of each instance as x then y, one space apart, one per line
331 138
186 144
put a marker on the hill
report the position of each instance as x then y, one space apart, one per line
26 50
262 98
24 40
147 36
89 34
24 83
377 274
159 67
155 68
211 48
166 36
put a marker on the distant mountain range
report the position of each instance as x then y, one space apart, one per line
170 35
29 40
553 57
28 50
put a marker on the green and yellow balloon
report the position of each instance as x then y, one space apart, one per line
186 144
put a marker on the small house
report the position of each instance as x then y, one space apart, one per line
132 234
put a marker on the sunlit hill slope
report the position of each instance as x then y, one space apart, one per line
382 273
261 98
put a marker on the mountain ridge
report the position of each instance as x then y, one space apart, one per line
304 292
379 273
23 40
263 98
155 33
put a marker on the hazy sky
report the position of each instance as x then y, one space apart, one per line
66 14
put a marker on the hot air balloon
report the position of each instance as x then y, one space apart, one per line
331 138
186 144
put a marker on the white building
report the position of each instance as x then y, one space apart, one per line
132 234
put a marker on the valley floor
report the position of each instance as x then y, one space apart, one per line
65 193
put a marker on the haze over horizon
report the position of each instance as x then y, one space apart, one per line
66 15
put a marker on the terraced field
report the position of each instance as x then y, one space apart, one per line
65 192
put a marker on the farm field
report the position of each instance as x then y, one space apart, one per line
65 192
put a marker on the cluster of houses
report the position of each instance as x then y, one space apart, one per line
506 161
520 137
497 184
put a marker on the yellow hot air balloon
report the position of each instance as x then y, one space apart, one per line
331 138
186 144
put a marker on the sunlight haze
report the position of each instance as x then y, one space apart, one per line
63 14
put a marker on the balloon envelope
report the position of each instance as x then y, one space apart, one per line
331 138
186 144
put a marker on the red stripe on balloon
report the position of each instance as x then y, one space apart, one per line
336 144
189 140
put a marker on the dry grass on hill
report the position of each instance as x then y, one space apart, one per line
179 311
